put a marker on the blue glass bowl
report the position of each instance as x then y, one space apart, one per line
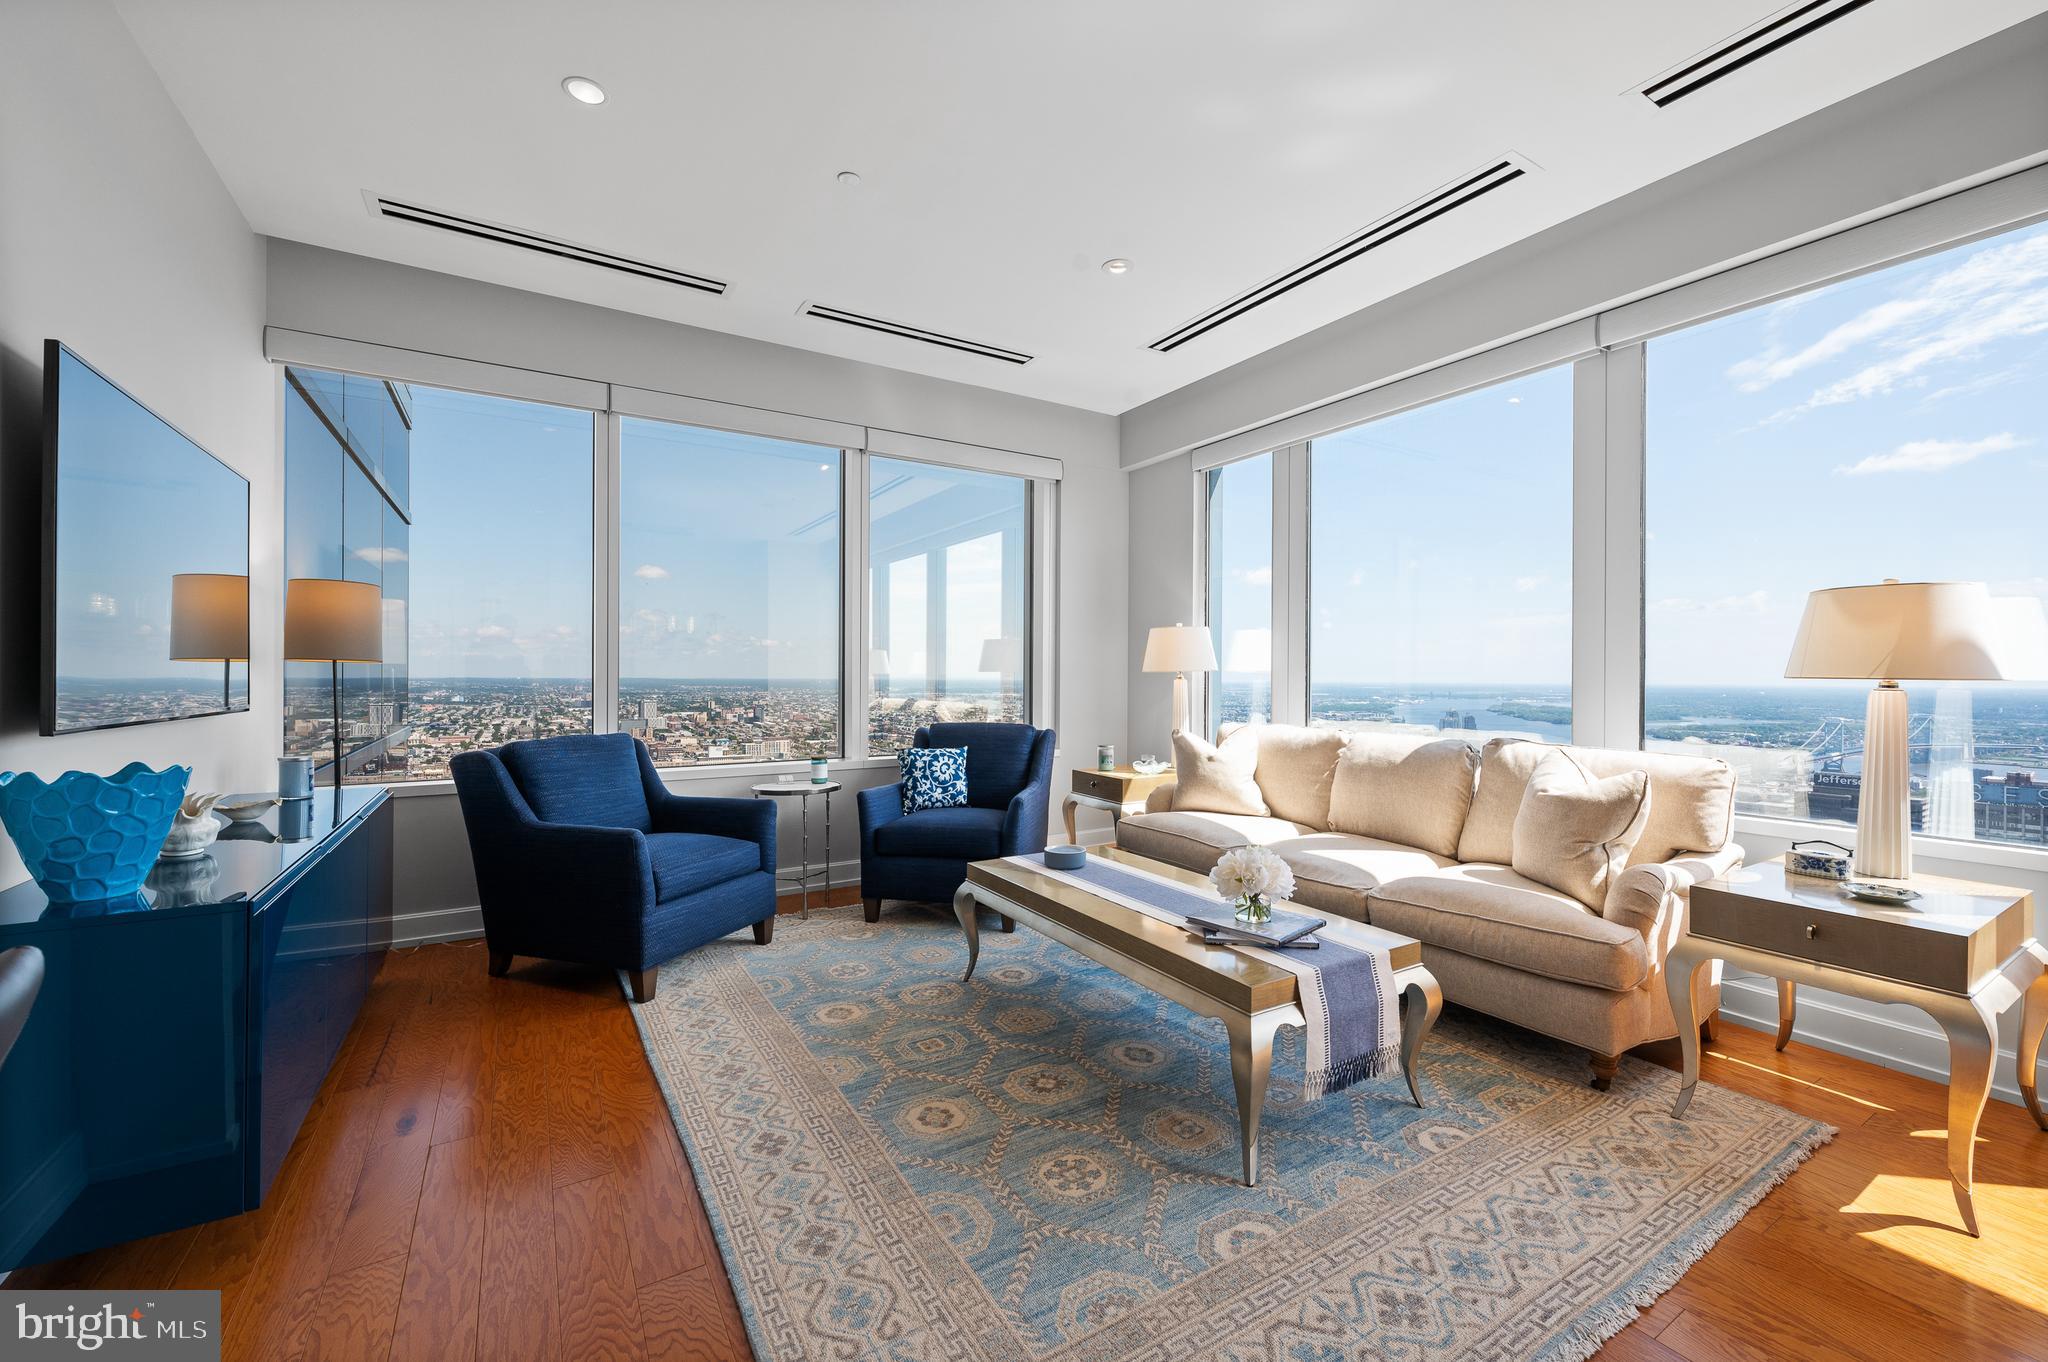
87 837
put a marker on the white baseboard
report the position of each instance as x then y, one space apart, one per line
1878 1033
437 924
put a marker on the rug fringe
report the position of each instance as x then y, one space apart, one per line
1584 1336
1353 1071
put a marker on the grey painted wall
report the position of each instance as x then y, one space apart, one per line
1978 112
334 294
117 238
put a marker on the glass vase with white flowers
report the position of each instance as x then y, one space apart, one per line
1254 879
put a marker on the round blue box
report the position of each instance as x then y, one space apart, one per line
1066 858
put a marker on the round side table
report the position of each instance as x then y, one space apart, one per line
803 790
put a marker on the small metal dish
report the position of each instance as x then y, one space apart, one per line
1892 894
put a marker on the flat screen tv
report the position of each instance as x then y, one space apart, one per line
145 562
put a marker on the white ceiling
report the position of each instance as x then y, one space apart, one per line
1006 150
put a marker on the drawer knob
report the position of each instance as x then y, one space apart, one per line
1812 931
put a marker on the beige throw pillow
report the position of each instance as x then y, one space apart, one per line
1574 833
1217 777
1391 787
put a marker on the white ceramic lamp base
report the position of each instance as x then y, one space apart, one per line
1884 815
1180 702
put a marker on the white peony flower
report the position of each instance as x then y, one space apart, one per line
1253 872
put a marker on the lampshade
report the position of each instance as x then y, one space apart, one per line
2022 638
209 617
1899 631
1179 648
878 662
1004 656
332 621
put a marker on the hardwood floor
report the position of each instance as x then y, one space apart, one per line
490 1173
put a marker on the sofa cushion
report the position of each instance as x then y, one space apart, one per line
1574 833
1217 777
1493 913
1405 789
1296 767
1692 799
1195 840
962 833
592 779
1333 870
685 862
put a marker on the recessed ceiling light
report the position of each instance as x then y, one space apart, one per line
583 89
1118 265
849 178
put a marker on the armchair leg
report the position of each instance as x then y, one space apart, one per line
1009 924
501 961
764 931
1707 1029
871 909
1604 1069
643 984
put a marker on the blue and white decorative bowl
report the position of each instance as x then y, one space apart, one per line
87 837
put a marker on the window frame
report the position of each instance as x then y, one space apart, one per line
1606 349
609 405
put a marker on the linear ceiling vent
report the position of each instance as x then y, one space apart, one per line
916 333
1394 225
540 245
1759 40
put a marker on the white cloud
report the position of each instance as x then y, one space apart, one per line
1749 603
1930 456
651 572
381 556
1258 576
1998 293
1528 584
493 631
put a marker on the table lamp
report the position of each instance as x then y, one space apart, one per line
1180 649
332 621
1922 631
210 623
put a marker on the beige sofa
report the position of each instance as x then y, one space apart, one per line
1588 974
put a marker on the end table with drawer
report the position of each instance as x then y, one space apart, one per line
1117 792
1963 952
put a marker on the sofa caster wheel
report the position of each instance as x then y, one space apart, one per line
643 981
1604 1069
501 963
871 909
764 931
1008 924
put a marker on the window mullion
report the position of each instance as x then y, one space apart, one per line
856 663
604 574
1589 550
1622 621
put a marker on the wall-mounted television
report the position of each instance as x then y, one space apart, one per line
145 562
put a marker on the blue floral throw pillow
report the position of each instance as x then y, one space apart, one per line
933 777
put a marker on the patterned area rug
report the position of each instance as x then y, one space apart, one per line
1042 1165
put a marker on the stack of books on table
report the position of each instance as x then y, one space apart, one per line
1282 931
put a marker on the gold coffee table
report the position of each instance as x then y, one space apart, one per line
1252 997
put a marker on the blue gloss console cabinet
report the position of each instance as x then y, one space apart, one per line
180 1037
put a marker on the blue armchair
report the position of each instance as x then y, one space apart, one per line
582 854
923 856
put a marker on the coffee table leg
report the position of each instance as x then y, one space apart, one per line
1251 1063
964 908
1425 1002
1679 971
1972 1045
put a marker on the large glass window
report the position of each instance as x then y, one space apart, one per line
1440 566
1240 590
949 562
729 603
472 515
1888 426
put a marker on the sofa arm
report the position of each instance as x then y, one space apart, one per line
1652 897
1159 799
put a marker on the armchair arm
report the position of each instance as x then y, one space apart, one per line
520 860
1652 897
1024 822
1160 798
878 806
